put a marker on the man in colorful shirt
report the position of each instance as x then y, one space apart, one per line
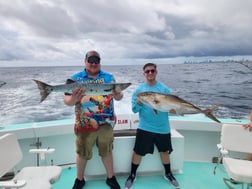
94 119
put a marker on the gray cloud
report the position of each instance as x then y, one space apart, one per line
60 29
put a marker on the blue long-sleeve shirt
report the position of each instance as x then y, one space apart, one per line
148 120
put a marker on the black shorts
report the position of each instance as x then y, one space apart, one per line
145 142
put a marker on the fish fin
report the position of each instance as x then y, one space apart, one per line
69 81
208 113
42 88
184 102
211 116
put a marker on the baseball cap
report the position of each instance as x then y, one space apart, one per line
92 53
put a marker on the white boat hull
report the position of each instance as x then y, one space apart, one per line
193 139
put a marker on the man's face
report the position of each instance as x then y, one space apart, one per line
93 65
150 73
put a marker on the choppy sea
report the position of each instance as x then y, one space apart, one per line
203 84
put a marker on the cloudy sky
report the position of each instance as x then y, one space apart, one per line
59 32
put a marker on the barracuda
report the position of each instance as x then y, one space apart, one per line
88 88
165 103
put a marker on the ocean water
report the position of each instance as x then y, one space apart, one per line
228 85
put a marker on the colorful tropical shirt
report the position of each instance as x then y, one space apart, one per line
99 109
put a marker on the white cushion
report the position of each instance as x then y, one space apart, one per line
34 177
39 177
238 169
235 138
11 153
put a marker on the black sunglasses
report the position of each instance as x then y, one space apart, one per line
93 59
150 71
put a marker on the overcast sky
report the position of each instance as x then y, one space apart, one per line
61 31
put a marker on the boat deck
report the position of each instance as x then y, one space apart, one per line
196 175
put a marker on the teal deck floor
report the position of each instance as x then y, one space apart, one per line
196 175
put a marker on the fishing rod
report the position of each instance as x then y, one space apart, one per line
242 63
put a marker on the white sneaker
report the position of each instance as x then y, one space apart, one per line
130 180
172 180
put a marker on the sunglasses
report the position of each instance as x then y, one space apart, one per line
150 71
93 59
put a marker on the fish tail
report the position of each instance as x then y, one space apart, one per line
208 113
42 88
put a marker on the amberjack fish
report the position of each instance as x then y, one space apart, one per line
88 88
165 103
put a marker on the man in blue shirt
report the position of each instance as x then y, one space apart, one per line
94 120
153 129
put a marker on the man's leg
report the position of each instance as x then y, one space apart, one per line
136 160
108 164
165 158
80 166
111 179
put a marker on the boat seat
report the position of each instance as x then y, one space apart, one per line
28 177
236 140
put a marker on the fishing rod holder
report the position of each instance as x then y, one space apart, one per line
41 152
38 144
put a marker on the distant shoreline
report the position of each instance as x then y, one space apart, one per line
243 62
128 61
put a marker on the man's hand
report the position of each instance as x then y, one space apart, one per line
173 111
139 102
248 126
77 95
117 95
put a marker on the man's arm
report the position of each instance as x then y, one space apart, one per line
249 125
